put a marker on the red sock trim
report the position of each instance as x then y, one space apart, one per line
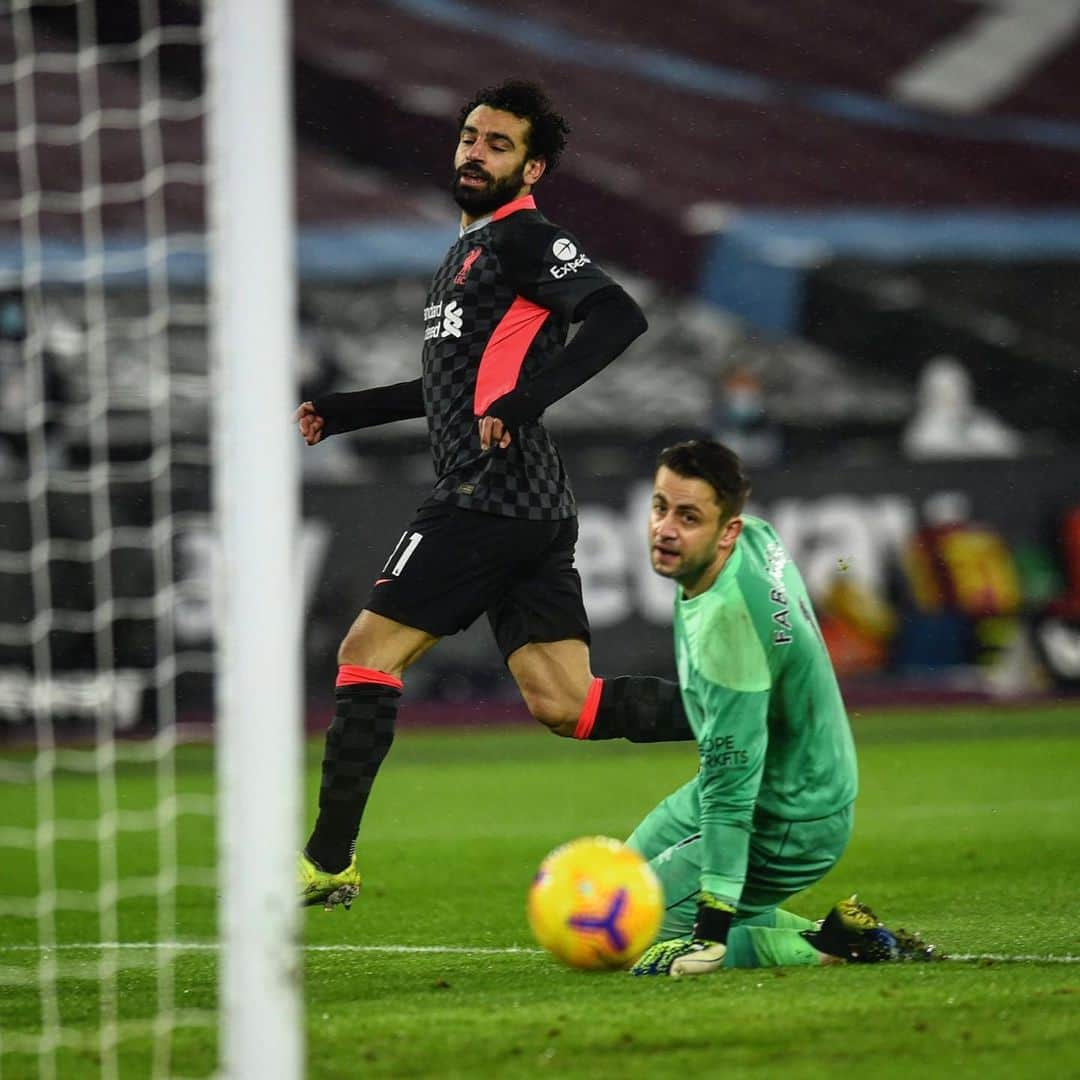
352 674
588 710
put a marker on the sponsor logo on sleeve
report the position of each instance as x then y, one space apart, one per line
570 259
564 249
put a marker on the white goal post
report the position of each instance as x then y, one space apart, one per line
129 183
253 316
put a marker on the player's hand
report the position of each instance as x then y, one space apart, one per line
701 958
493 432
681 956
311 424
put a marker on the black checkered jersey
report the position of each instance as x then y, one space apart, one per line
497 314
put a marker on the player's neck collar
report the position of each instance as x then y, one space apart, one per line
525 202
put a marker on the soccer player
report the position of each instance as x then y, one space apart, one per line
497 533
770 810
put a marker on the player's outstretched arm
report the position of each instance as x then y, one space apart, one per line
611 320
334 414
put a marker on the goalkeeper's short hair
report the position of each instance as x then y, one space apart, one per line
716 464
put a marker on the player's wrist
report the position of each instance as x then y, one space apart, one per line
714 918
341 412
513 409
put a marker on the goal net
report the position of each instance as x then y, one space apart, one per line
112 944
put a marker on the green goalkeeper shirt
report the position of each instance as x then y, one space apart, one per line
761 695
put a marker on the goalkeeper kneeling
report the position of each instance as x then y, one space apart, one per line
770 811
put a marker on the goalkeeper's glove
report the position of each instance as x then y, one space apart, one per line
700 954
681 956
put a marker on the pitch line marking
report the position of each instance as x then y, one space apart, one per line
213 946
462 950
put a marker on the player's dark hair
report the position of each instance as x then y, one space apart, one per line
528 101
714 463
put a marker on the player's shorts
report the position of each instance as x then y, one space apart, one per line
452 565
786 857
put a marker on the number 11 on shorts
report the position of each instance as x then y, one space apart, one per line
411 541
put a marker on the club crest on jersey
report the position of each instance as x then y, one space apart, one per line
466 266
566 251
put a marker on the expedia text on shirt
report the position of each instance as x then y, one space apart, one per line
559 272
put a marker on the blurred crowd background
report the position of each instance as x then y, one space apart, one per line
854 227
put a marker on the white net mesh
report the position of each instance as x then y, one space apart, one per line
107 917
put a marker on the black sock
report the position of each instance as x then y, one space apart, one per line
641 708
358 739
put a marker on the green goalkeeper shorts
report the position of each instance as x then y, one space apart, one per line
785 857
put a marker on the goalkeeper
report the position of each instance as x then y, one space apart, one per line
769 812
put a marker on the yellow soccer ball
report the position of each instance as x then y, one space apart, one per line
595 904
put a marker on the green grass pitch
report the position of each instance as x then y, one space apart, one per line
966 828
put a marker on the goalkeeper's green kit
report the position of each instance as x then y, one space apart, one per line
770 810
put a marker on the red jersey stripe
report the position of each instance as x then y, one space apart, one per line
505 352
352 674
526 202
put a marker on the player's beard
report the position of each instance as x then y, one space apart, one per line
486 200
